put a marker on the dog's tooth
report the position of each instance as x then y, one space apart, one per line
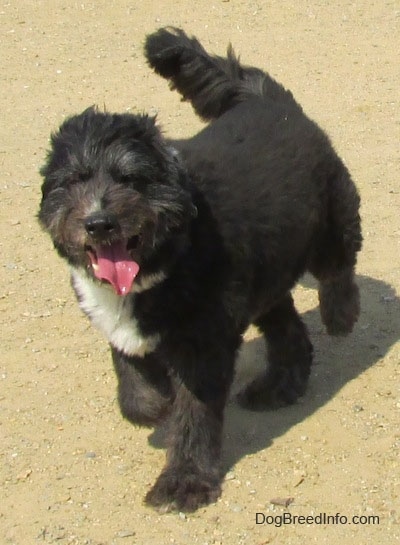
95 266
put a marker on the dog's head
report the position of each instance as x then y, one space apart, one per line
114 195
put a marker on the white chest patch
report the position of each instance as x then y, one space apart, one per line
113 315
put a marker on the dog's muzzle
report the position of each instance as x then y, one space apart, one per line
110 253
102 226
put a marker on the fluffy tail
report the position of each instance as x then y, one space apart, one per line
212 84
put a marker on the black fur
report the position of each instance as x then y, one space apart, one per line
229 220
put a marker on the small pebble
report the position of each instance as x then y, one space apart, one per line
90 454
283 502
126 533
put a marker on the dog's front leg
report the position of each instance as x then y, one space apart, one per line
191 477
144 388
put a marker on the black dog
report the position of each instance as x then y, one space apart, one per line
176 247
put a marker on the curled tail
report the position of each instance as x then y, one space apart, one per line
212 84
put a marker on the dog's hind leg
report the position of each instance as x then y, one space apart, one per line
335 257
339 302
289 355
145 392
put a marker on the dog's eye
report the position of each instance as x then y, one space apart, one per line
79 177
136 183
124 178
74 180
120 176
141 185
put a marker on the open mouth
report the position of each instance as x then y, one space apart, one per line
113 263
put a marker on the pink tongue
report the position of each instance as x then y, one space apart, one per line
115 265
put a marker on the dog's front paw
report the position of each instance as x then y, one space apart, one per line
183 489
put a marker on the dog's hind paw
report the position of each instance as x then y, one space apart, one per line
181 489
339 306
271 392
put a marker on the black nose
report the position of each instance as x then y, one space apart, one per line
101 225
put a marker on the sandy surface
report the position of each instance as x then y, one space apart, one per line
72 471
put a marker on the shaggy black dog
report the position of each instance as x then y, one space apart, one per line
175 247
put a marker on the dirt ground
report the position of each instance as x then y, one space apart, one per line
74 472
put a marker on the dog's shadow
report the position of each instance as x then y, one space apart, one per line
337 361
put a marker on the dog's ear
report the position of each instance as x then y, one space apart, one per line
151 135
172 199
66 146
169 158
178 170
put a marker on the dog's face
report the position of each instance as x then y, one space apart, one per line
113 195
